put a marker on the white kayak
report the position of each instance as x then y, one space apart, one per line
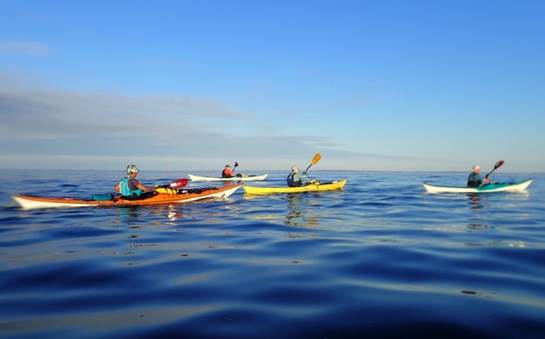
244 178
495 187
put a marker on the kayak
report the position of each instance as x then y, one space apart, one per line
495 187
246 178
329 186
181 196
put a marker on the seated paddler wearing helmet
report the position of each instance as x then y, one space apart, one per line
296 178
130 186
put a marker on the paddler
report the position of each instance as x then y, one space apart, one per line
130 186
296 178
474 179
227 172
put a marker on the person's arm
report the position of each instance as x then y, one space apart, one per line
116 187
144 188
136 184
305 179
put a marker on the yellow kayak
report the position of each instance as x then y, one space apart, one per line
329 186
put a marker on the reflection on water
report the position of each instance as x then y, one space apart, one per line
477 226
475 201
298 214
131 215
128 214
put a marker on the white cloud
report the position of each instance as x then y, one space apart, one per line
69 129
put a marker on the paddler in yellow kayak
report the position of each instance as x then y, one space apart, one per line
298 179
130 186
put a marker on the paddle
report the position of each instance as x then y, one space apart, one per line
314 161
234 168
176 184
496 166
179 183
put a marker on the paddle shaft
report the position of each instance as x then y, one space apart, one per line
496 166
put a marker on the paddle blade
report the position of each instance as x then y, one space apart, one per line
236 164
499 164
179 183
316 158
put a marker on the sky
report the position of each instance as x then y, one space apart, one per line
371 85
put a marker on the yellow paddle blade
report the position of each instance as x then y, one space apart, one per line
316 158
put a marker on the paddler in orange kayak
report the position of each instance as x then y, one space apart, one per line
130 186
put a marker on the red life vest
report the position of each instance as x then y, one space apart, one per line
227 173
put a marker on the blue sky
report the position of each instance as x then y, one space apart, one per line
372 85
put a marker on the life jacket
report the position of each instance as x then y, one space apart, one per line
292 182
474 180
125 189
227 173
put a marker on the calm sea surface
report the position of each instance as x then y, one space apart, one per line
379 259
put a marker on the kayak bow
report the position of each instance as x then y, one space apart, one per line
32 202
497 187
330 186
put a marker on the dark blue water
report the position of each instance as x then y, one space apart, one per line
379 259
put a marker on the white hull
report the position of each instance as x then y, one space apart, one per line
519 187
248 178
29 204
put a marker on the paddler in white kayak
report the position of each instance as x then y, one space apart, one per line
229 172
130 186
474 179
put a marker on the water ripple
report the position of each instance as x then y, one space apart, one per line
379 259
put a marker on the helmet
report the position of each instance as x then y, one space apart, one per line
295 168
132 169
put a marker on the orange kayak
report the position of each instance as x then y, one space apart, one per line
181 196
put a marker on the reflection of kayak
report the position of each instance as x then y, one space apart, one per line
496 187
329 186
30 202
243 178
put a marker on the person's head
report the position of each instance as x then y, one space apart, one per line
227 166
476 169
132 170
294 169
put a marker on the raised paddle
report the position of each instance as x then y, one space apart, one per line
234 168
314 161
496 166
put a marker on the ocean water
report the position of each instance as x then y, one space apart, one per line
378 259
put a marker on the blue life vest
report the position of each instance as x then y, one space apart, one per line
126 190
292 182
